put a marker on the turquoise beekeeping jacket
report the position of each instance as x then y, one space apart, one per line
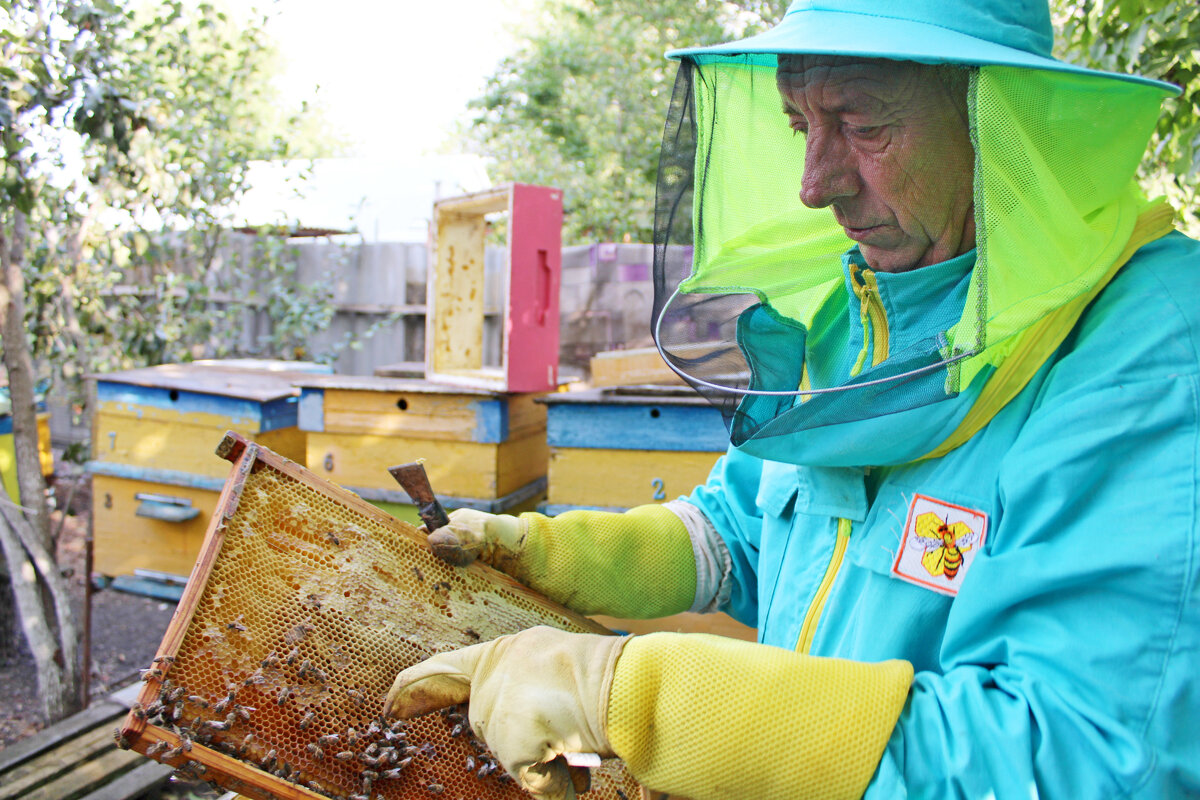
1068 663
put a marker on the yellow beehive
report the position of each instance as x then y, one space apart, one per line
483 449
154 481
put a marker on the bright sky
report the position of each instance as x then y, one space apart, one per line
393 74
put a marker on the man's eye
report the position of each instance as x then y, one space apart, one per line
865 131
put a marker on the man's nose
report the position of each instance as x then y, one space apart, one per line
830 171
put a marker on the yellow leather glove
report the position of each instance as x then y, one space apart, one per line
638 564
534 696
471 534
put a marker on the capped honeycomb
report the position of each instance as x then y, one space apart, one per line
304 604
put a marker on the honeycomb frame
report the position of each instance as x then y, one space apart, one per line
304 603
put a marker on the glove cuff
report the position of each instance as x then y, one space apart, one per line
637 565
705 716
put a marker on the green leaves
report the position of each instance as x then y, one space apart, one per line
582 105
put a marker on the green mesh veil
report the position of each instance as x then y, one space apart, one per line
750 299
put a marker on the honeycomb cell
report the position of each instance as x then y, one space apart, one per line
314 601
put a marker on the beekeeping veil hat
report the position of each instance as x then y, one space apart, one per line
751 301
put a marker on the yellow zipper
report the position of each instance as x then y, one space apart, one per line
809 628
873 317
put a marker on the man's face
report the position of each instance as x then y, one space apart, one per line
887 147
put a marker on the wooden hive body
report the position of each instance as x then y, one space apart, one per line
484 449
304 604
528 308
155 488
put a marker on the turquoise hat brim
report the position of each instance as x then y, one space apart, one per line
842 33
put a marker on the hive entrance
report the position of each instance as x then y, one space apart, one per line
305 603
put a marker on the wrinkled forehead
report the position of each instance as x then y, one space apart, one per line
869 82
801 67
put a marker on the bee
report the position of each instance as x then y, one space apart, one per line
442 586
366 785
174 752
944 544
185 744
221 705
292 656
197 700
138 711
216 725
473 634
307 720
470 763
401 764
359 797
177 712
316 751
351 736
151 674
318 675
269 759
356 696
344 755
164 660
248 740
313 601
333 539
271 660
316 787
392 774
299 631
255 677
236 624
373 729
283 697
417 571
435 788
120 739
156 748
328 739
175 694
457 730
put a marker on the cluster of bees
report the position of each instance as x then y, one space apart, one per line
381 751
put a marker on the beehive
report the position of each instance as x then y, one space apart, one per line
304 604
619 448
153 478
483 449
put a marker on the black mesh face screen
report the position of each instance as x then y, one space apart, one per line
695 331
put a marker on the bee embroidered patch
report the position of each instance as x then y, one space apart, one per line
940 543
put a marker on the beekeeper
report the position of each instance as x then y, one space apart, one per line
958 350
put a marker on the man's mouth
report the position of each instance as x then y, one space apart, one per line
858 234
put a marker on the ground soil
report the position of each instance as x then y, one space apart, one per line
125 632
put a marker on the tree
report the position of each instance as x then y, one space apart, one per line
1159 39
581 105
116 125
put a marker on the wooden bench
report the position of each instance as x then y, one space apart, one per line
78 759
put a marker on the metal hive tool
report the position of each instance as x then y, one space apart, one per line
303 605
